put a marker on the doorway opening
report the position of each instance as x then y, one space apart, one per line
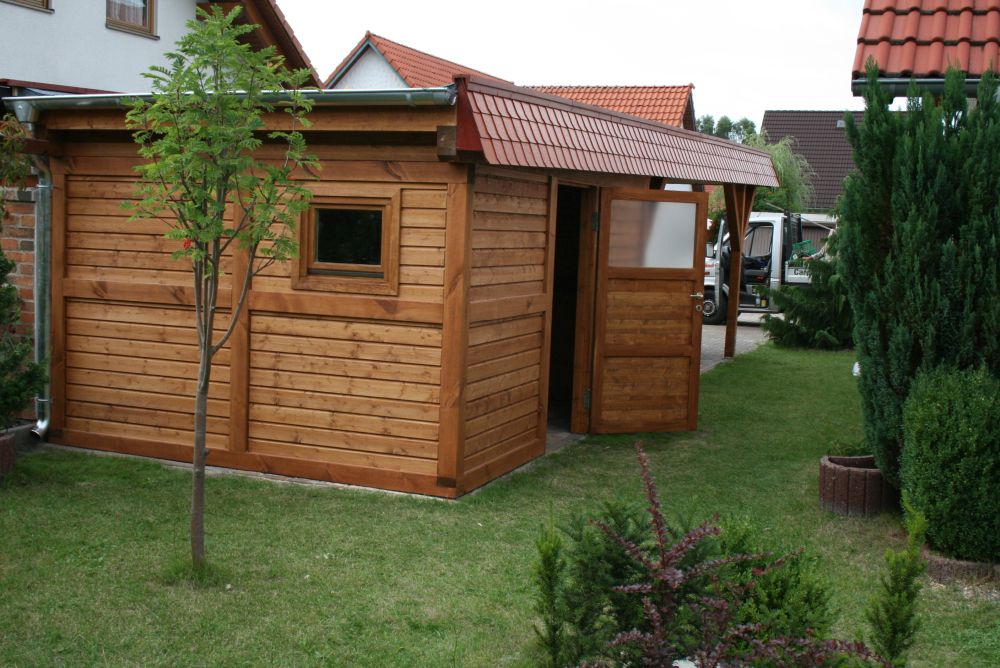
571 217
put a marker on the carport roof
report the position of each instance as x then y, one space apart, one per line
520 127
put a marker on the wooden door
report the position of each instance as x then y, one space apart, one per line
647 348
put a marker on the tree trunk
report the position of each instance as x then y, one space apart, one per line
198 459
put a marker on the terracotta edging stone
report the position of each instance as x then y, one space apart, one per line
946 569
854 486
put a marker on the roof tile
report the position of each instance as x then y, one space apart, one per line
543 131
921 38
416 68
664 104
821 143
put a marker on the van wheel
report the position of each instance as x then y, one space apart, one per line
713 312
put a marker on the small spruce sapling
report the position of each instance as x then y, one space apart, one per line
892 613
550 605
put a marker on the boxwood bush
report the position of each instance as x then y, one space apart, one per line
950 467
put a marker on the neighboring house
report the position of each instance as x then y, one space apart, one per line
377 63
87 46
819 137
82 46
671 105
93 46
914 40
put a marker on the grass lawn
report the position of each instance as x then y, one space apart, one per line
324 576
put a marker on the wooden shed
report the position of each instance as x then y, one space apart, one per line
528 265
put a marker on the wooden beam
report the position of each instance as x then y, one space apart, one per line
543 381
57 308
739 202
455 336
239 361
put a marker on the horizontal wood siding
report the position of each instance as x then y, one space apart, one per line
362 393
331 385
510 237
131 371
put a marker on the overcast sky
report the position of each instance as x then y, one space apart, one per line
743 56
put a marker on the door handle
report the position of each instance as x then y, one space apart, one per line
697 295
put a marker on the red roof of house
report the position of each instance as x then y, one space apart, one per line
416 68
274 31
664 104
922 38
520 127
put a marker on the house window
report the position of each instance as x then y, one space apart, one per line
131 15
34 4
350 244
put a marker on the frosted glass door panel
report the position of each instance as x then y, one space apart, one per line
655 235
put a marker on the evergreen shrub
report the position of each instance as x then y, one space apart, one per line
951 462
815 316
920 246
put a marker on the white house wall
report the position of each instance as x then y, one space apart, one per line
370 72
71 46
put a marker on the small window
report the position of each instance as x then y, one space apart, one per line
347 241
131 15
350 245
34 4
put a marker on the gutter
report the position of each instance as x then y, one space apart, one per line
29 108
43 295
900 87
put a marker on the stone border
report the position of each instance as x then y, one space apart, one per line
854 486
946 569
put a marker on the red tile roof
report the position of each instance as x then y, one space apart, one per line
922 38
664 104
416 68
521 127
274 31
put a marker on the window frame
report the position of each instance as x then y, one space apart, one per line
148 30
40 5
310 274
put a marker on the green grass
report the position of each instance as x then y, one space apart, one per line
93 549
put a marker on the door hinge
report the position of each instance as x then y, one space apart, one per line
595 221
586 399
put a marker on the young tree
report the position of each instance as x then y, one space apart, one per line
794 174
199 134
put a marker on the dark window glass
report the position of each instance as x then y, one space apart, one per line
349 236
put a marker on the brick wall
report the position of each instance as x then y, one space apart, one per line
17 238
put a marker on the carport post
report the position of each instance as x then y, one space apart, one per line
739 202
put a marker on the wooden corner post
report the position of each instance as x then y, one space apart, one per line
739 202
455 335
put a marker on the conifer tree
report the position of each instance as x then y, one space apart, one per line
919 242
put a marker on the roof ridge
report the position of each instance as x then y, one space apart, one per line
687 85
369 35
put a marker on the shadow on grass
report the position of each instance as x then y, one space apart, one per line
181 571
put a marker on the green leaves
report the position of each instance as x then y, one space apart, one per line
211 163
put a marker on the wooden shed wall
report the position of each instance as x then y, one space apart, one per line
331 385
510 300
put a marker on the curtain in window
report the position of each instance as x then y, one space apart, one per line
128 11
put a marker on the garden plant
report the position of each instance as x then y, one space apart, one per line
199 134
